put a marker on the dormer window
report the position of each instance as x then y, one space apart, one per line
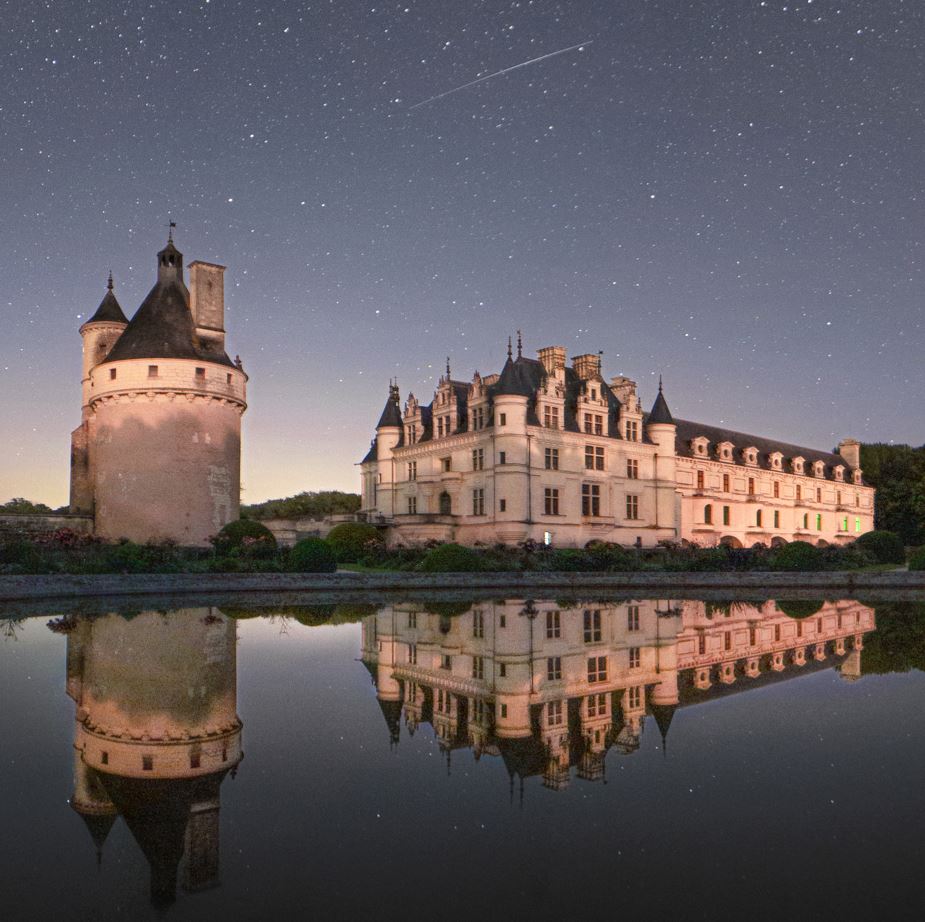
839 472
798 465
700 445
750 455
776 460
857 475
724 451
819 469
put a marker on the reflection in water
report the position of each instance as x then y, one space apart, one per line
551 690
156 732
548 687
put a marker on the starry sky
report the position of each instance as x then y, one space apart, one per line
726 192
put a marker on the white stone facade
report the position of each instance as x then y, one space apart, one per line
556 454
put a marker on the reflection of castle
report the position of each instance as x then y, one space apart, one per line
157 731
548 689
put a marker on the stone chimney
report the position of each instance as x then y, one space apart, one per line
623 388
207 304
850 450
552 357
587 366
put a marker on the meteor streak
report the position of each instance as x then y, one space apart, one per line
498 73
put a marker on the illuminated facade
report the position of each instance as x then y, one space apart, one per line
554 453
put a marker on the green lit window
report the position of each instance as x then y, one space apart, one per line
818 522
857 525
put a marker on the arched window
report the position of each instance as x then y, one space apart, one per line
758 518
708 514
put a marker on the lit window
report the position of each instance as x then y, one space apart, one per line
726 516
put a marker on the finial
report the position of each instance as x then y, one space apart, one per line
520 345
509 347
448 367
170 226
659 383
109 283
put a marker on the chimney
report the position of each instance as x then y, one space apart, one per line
552 357
623 387
587 366
207 304
850 450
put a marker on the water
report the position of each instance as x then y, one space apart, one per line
454 760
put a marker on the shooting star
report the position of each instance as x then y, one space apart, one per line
498 73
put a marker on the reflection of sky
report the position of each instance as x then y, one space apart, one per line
801 798
728 192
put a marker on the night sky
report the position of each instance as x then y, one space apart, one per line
727 192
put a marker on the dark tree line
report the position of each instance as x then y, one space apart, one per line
898 473
310 505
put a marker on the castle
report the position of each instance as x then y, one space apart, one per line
553 453
157 455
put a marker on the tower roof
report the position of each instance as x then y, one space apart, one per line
660 412
391 413
519 377
109 310
163 326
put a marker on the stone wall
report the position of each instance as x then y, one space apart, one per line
17 525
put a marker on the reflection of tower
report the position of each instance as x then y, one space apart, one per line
156 733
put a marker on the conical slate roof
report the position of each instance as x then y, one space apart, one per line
391 413
518 377
660 412
109 310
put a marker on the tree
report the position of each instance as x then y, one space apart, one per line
24 507
898 474
304 505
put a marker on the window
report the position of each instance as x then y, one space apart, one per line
634 696
632 506
502 505
503 709
478 501
147 763
478 624
806 520
777 519
194 760
776 632
593 424
702 644
445 464
838 497
776 489
478 459
412 619
551 417
752 636
502 670
412 505
597 669
799 493
725 515
597 705
553 668
412 470
446 503
818 522
758 518
857 525
478 667
632 618
502 419
594 458
412 434
592 626
751 486
228 379
104 758
552 459
708 514
201 374
440 427
446 661
112 374
725 483
502 457
553 625
700 480
478 418
502 621
635 657
551 501
727 640
632 430
554 713
818 495
152 371
632 469
590 499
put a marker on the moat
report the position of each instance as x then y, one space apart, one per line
518 758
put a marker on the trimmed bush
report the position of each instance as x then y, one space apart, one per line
351 541
312 555
885 546
798 555
246 537
451 558
917 559
799 608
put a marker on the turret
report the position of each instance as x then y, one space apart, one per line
661 430
99 334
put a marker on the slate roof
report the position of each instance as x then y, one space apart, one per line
660 412
687 431
109 310
391 414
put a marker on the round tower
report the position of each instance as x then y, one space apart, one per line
99 334
661 429
165 407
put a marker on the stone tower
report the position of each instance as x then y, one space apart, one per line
157 455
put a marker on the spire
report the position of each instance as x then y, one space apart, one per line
509 347
448 368
520 345
109 310
109 283
391 413
660 414
170 261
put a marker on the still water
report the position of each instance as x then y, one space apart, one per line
513 759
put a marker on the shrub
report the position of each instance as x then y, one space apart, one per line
799 608
798 555
611 557
917 559
249 538
569 560
312 555
352 540
885 546
451 558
